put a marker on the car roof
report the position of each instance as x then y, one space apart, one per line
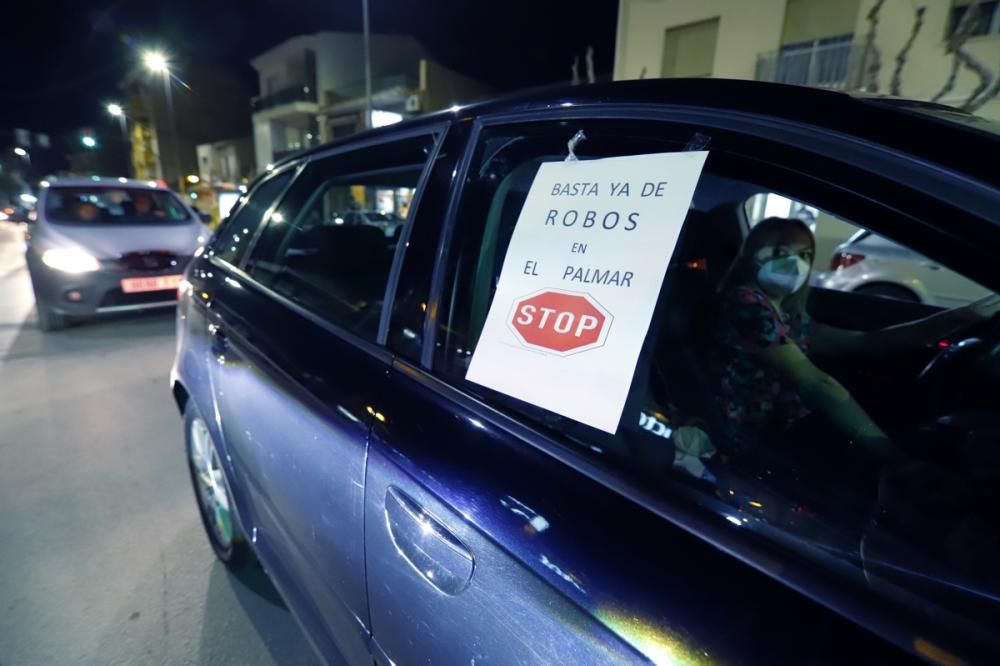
105 181
918 128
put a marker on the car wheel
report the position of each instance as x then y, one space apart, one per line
888 291
47 319
211 490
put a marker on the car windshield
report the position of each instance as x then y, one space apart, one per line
113 205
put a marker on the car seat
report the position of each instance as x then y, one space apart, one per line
342 274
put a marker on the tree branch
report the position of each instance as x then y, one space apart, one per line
986 77
989 93
872 60
949 84
897 75
955 43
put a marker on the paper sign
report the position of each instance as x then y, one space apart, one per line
580 281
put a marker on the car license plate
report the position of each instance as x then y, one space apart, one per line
158 283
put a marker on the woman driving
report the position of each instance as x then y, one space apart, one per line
765 337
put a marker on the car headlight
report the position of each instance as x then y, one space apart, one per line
70 260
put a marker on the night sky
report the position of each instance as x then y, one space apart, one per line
62 60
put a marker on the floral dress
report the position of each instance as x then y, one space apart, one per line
753 399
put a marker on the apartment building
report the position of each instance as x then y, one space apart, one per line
312 89
810 42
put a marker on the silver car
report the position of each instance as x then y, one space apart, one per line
102 245
870 264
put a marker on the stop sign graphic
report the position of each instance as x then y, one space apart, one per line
559 322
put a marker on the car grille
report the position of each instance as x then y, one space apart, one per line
152 261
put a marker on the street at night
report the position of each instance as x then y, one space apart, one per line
104 559
376 332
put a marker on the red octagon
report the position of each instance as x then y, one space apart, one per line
560 322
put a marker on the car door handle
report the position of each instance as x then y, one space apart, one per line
931 265
429 547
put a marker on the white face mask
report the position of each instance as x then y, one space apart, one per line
784 275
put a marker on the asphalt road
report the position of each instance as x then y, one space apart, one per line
102 555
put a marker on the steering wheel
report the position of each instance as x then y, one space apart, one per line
979 343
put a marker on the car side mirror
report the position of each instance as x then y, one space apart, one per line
205 217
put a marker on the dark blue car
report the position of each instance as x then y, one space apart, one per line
796 476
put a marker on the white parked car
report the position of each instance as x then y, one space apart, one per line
870 264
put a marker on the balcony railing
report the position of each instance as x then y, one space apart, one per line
284 96
838 65
356 89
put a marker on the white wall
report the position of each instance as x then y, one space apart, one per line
928 65
340 59
263 151
746 29
204 152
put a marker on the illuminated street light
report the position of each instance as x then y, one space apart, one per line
115 110
88 141
193 179
21 152
155 62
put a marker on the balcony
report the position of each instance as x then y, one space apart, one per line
301 93
835 63
385 85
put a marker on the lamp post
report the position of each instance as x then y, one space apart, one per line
116 111
156 62
368 64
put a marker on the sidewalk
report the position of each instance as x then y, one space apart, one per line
16 299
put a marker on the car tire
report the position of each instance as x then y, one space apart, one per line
48 320
883 290
212 492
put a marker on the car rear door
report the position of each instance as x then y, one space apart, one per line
294 333
499 531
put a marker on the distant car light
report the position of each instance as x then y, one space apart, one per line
28 198
70 260
3 216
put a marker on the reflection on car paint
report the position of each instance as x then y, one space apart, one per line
657 642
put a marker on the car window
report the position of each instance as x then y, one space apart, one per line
113 205
852 258
842 441
330 244
235 236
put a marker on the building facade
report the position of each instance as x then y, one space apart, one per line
839 44
229 162
312 89
205 101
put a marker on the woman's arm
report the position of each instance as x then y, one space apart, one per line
825 395
830 340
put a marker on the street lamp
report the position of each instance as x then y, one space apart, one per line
116 111
156 62
21 152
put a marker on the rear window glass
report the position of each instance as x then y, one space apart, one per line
113 205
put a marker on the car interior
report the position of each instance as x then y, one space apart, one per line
334 267
947 389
